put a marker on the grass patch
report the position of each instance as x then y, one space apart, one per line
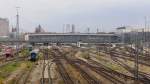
82 54
7 69
26 65
85 55
40 55
24 52
75 74
115 67
109 63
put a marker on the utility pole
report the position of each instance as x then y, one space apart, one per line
145 22
17 32
88 30
145 28
146 33
136 58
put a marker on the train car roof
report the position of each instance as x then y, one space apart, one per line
35 51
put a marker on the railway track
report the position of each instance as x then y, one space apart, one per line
62 71
145 78
142 76
102 70
11 60
85 75
112 75
123 55
98 70
108 69
108 73
4 61
24 77
132 53
64 74
114 55
46 73
49 72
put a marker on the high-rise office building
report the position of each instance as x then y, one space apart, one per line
4 27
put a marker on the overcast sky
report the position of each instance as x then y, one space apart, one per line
52 14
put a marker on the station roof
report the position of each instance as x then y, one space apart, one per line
103 34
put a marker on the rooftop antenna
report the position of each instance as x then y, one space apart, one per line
145 21
88 30
67 28
102 29
97 30
63 28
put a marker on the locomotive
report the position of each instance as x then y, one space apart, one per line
8 52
